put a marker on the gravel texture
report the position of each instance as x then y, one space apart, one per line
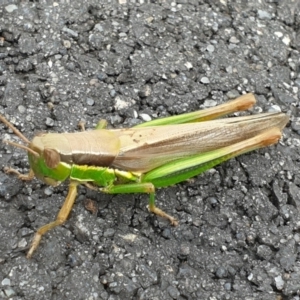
66 61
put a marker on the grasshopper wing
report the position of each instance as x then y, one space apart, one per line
144 149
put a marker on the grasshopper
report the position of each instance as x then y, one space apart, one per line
151 155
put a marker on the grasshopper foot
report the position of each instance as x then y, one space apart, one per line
25 177
81 125
60 219
162 214
35 242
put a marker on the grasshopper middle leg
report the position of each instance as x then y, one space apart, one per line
147 188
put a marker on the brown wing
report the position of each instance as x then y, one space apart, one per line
143 149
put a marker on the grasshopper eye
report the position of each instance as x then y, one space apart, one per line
52 158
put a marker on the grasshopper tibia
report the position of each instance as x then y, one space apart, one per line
60 219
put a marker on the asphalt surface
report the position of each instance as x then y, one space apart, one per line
238 233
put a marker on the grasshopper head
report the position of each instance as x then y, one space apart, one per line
46 163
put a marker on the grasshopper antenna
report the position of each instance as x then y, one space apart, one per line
14 129
22 147
20 135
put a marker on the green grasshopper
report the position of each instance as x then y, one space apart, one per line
151 155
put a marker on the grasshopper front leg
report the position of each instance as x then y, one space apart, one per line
25 177
147 188
60 219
